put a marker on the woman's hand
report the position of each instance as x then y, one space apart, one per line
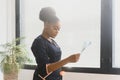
74 58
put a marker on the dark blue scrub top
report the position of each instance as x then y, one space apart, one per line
45 52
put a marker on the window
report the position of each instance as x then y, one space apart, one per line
79 25
98 25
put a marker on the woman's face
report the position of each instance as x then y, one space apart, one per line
52 29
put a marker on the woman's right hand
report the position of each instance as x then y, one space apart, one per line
74 58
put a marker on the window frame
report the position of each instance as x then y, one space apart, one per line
106 42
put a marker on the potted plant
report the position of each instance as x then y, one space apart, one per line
13 58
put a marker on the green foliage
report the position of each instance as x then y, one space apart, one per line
14 56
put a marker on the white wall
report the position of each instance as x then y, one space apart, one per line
7 23
28 74
7 20
86 76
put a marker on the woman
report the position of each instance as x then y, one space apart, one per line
46 51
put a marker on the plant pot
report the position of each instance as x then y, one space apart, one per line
11 76
11 71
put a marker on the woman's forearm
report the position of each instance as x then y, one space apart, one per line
54 66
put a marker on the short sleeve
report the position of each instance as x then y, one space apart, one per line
40 52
